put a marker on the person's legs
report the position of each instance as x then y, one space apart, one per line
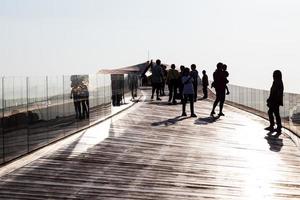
76 109
184 100
278 118
174 87
153 90
158 87
163 88
87 104
132 91
170 86
84 108
78 105
195 91
180 92
271 117
222 100
191 98
217 100
204 92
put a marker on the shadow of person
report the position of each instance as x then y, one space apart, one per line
169 122
274 142
206 120
160 103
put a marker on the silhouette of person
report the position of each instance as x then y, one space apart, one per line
188 92
219 83
157 78
194 75
226 74
75 95
172 78
84 100
204 84
180 85
274 101
164 71
133 84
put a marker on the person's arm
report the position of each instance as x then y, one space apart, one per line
147 68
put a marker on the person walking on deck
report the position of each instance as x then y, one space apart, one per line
219 84
157 78
188 92
274 101
204 84
172 78
194 75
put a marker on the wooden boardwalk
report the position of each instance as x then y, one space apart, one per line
148 152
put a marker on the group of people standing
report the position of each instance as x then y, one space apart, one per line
186 81
182 85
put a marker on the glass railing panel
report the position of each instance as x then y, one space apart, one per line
37 112
117 86
104 106
15 121
56 120
1 121
107 94
94 101
266 96
294 113
295 118
133 84
70 103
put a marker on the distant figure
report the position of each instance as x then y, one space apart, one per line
172 78
204 84
84 100
164 71
188 92
219 83
180 85
274 101
157 78
133 85
226 74
75 95
194 75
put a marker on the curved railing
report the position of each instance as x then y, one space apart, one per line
254 100
36 111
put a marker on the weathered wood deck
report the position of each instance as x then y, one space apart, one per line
149 152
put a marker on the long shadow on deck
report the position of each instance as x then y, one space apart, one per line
169 122
206 120
160 103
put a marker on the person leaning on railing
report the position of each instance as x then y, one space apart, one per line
274 101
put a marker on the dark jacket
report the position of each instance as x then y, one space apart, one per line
219 80
205 81
276 94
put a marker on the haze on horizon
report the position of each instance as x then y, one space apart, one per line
53 37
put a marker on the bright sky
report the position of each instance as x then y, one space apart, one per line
253 37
